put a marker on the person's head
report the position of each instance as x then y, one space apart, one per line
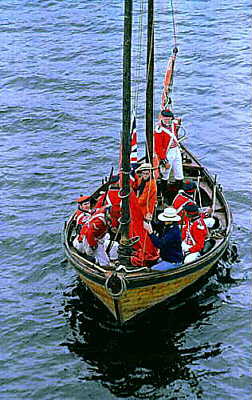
169 216
145 170
191 210
114 182
166 117
189 186
83 203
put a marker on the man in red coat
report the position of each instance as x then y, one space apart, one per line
83 213
90 239
145 189
184 196
112 199
167 148
194 233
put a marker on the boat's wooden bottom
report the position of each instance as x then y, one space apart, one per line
136 300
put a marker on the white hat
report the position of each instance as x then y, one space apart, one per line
144 167
169 214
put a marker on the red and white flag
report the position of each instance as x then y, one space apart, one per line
167 83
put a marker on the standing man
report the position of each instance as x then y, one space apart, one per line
146 190
169 242
167 148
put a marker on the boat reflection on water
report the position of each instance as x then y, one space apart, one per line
145 357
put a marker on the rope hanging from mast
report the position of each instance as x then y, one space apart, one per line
168 79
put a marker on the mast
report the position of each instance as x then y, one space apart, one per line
125 140
150 78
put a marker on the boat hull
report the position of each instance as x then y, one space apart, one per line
128 293
140 293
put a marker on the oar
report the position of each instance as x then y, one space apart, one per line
198 188
109 182
112 241
214 195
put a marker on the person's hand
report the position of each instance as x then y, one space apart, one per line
165 163
148 217
147 226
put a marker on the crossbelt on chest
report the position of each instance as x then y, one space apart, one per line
189 239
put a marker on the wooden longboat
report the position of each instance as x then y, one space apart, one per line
127 293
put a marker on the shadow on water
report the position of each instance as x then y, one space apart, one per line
144 357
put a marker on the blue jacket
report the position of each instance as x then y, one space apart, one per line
169 243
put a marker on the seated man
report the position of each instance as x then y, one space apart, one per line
112 198
90 239
185 196
83 213
194 233
169 242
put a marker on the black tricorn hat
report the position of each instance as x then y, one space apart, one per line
191 209
166 114
114 179
189 186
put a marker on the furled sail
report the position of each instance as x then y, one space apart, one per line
168 81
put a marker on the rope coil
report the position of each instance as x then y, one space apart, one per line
115 285
123 196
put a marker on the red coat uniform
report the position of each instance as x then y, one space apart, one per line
194 234
145 251
95 228
181 199
82 216
147 200
113 200
163 137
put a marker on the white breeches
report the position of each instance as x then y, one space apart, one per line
209 221
99 253
190 257
175 160
113 254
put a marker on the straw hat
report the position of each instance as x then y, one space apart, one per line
169 214
144 167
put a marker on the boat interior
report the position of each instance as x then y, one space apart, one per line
204 196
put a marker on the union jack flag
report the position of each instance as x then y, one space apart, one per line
133 144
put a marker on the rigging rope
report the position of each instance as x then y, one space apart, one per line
138 57
173 24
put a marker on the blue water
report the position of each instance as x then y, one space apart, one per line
60 109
